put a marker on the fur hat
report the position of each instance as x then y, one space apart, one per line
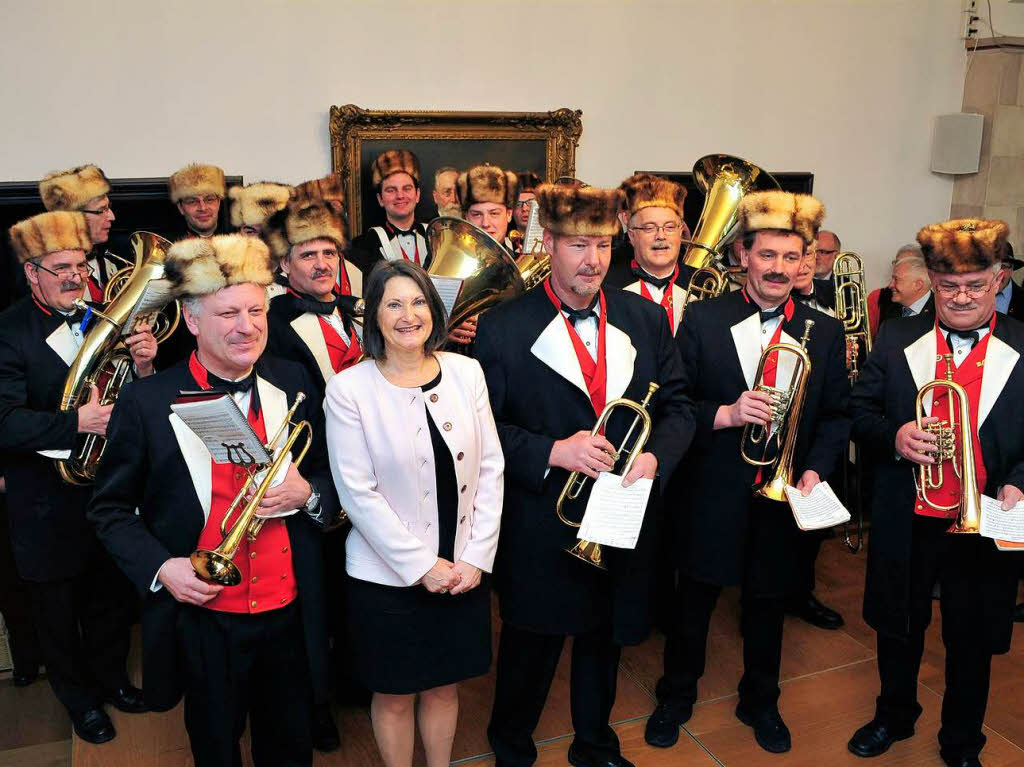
72 189
644 190
326 188
528 181
579 210
302 221
395 161
48 233
963 244
799 213
253 204
196 180
197 266
486 183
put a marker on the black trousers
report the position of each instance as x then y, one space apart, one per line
807 548
83 626
938 556
526 666
238 666
16 603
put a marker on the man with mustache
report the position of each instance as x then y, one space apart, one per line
732 536
910 547
82 605
445 197
396 178
197 191
552 359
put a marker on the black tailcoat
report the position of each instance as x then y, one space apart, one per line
365 250
825 292
156 465
720 344
539 396
903 360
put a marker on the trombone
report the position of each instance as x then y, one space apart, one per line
777 441
953 443
216 565
588 551
852 306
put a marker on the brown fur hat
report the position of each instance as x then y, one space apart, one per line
395 161
644 190
196 180
197 266
49 233
963 244
528 181
302 221
326 188
579 210
253 204
72 189
486 183
786 211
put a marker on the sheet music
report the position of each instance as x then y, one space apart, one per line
819 510
448 288
1006 527
615 513
218 422
155 296
533 234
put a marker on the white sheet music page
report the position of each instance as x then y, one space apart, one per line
217 421
155 296
819 510
1006 527
615 513
448 288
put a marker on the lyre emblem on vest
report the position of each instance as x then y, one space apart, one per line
238 455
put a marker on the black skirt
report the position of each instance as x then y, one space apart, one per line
405 639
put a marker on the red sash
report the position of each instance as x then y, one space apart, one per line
666 296
95 291
344 286
595 373
342 355
268 578
772 363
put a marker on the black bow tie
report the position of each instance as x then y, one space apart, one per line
658 282
578 315
967 335
402 232
309 304
770 314
246 385
804 297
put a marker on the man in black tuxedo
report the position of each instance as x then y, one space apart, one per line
1010 295
242 650
910 549
82 606
827 247
197 191
732 536
552 359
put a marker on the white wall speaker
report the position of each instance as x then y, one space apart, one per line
956 143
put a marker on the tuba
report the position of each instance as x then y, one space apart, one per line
852 305
777 441
724 180
588 551
216 565
103 360
954 443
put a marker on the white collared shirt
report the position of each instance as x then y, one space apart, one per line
916 307
77 336
768 330
335 321
587 330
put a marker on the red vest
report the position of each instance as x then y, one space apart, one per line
268 578
342 355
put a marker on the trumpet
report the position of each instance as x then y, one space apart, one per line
787 404
852 306
216 565
588 551
953 443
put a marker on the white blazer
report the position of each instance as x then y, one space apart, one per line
383 466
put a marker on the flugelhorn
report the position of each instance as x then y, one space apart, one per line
954 443
588 551
217 565
777 440
852 306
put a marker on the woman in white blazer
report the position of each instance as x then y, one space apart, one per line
418 467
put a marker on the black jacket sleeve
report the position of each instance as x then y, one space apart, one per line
688 342
871 428
316 466
832 433
674 418
21 428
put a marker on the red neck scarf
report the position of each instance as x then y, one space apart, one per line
595 372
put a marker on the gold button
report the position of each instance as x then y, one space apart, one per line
252 555
460 456
284 550
433 398
254 579
447 425
253 603
283 576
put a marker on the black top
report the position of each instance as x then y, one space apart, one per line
447 485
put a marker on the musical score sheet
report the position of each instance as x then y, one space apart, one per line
155 296
217 421
1005 527
448 288
819 510
615 513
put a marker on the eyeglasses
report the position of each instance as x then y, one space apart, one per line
98 212
67 272
972 291
670 228
208 199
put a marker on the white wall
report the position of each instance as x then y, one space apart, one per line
844 88
1007 18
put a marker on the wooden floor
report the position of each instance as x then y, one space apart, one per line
829 688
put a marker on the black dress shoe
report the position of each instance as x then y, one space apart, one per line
663 727
875 737
324 731
814 612
1018 613
25 677
770 731
128 699
966 761
581 756
93 726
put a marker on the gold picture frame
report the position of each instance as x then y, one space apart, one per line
518 139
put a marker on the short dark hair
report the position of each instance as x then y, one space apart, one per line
373 294
749 237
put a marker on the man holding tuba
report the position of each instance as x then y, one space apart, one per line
910 549
552 358
82 603
730 536
235 651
